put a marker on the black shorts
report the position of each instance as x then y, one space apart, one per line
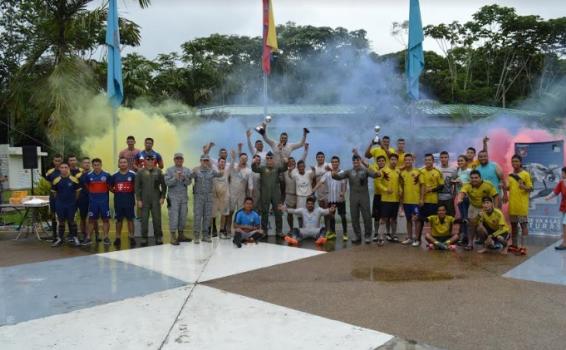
376 207
427 210
389 210
340 207
442 239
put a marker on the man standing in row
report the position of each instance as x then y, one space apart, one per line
359 197
130 153
147 152
65 189
178 179
50 175
98 183
123 186
270 190
202 209
150 195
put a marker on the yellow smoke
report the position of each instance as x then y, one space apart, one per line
133 122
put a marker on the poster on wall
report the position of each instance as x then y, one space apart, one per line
543 160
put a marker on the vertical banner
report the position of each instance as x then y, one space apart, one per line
543 160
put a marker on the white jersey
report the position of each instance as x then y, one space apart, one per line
303 182
335 188
319 171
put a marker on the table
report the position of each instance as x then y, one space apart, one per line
31 213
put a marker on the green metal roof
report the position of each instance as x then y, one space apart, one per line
425 107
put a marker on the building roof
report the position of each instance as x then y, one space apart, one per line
428 108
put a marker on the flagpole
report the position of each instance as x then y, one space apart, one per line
264 94
114 138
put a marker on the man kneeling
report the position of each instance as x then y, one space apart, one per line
441 236
311 223
247 224
493 228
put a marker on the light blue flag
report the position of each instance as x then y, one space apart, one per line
115 86
415 57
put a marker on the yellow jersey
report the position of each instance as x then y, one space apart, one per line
476 194
519 198
431 179
441 228
401 162
379 151
411 186
473 164
389 181
494 222
377 180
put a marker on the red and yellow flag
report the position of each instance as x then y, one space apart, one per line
269 36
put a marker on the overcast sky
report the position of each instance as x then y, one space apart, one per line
166 24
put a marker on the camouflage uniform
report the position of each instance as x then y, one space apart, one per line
202 210
177 198
359 198
270 194
150 188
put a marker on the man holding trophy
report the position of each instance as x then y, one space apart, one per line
379 147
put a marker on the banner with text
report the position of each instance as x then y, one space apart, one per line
543 160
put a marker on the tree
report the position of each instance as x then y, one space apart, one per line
58 35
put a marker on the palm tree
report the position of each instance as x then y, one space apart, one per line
64 33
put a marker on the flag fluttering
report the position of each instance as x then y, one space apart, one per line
269 36
415 55
115 85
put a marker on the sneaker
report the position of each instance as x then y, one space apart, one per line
388 237
86 241
513 248
368 240
320 241
345 237
416 244
560 247
375 238
174 241
132 242
117 242
290 240
357 241
207 239
237 240
106 241
256 237
214 235
441 246
330 236
144 243
407 241
58 242
158 241
76 242
70 239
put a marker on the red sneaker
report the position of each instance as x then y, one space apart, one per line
320 241
290 240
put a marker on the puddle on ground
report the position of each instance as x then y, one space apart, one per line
400 274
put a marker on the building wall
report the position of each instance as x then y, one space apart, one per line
12 166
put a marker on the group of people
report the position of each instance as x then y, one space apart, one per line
469 195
